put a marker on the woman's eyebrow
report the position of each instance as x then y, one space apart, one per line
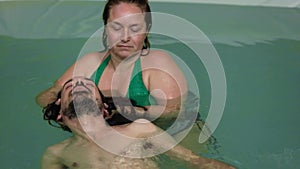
115 23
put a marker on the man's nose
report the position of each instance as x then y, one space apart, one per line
79 82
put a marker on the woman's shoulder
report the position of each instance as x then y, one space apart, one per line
85 65
90 61
92 57
158 54
157 57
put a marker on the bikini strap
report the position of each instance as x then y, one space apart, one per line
137 69
100 70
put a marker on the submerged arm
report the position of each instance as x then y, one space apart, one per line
161 140
187 155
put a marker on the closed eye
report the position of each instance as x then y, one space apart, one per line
135 28
115 26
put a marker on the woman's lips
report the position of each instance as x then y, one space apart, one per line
124 46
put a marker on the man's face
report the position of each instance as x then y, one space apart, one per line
79 88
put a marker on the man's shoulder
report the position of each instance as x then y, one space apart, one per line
56 149
53 155
141 128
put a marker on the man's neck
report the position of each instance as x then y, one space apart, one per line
89 127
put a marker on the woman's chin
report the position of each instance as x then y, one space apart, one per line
125 54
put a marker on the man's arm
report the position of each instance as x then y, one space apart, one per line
146 129
182 153
50 160
196 161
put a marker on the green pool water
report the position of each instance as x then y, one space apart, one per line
259 48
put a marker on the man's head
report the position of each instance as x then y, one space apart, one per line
79 96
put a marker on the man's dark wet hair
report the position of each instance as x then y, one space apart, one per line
51 111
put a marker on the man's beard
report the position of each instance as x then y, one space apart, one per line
82 105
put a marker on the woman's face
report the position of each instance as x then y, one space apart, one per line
126 29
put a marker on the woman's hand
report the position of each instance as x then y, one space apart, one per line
47 96
121 110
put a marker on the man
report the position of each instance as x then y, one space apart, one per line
96 145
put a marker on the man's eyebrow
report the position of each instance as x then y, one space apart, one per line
88 79
68 82
85 78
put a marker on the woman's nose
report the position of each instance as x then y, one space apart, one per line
125 36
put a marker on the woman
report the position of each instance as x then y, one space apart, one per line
127 66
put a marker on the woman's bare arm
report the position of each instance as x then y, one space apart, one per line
82 67
50 95
165 82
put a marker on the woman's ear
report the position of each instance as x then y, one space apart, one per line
148 28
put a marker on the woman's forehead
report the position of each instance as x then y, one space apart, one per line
125 9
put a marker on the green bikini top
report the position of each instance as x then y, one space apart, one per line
137 90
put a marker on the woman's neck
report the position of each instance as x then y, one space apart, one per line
115 60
